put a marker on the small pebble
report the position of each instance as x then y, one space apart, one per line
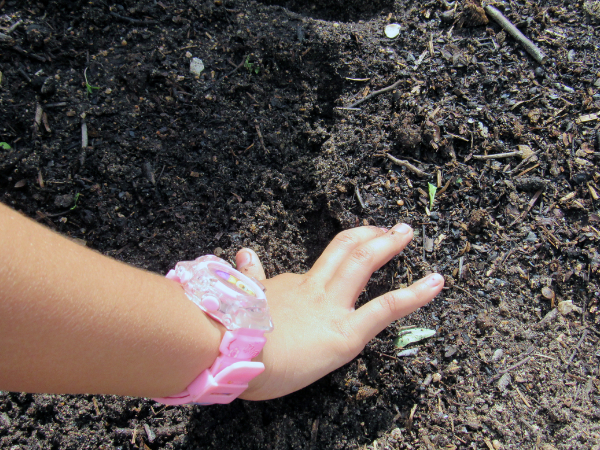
497 356
504 381
531 237
196 66
409 352
566 307
392 30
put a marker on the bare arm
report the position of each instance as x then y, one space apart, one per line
74 321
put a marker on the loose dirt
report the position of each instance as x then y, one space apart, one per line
267 148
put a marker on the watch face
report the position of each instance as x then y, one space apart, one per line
233 282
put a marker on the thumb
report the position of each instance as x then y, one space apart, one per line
248 263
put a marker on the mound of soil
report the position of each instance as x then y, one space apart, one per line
282 141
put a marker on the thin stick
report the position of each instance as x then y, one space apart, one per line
447 185
527 170
37 120
359 198
515 366
14 27
375 93
407 165
585 333
260 137
497 155
531 48
522 163
469 294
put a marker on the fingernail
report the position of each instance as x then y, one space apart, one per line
434 280
401 228
244 258
385 230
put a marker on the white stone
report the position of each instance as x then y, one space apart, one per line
196 66
392 30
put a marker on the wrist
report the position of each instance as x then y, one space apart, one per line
204 335
211 285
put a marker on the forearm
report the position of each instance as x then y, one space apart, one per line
74 321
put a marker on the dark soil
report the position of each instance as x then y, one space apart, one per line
258 151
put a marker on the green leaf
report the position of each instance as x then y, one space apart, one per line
413 335
5 146
432 191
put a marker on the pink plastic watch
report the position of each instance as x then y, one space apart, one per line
240 304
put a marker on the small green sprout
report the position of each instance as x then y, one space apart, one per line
432 191
459 181
5 146
88 86
77 195
251 67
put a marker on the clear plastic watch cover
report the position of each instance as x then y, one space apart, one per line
225 294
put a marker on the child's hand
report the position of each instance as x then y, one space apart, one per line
317 328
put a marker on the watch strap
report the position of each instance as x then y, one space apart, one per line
229 375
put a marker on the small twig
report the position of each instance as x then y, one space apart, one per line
387 356
348 108
470 295
131 20
510 368
447 185
24 74
375 93
527 170
359 198
522 163
45 122
497 155
516 105
37 120
14 26
357 79
260 137
6 39
515 366
238 67
506 24
407 165
55 105
585 333
18 49
523 397
530 206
